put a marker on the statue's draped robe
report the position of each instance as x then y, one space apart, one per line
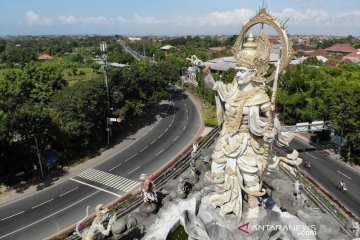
237 157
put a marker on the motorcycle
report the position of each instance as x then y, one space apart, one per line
342 188
307 165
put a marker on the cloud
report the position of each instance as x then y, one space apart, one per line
32 18
349 18
213 21
35 19
311 17
308 16
147 20
99 20
121 19
68 19
228 18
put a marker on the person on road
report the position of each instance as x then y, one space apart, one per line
342 185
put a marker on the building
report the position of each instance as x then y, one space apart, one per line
353 57
45 57
222 64
319 52
341 49
215 50
275 45
303 50
166 47
332 63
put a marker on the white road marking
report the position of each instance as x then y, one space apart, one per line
343 174
68 192
144 148
159 153
134 170
187 117
160 136
12 215
184 127
310 155
101 189
108 179
42 203
115 167
166 129
153 141
175 138
48 216
130 157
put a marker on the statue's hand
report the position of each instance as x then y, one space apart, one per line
206 70
269 135
112 219
196 61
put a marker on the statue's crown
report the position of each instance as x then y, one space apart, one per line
254 54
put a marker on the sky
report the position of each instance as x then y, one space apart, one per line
169 17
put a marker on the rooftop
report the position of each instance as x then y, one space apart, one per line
345 48
45 57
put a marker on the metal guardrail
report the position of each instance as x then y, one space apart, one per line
320 203
182 163
179 166
315 126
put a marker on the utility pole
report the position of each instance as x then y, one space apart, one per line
103 49
39 158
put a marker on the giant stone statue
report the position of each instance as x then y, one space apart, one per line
249 125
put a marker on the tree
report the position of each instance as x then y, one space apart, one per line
311 93
78 112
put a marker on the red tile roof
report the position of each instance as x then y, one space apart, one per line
302 47
274 41
346 60
215 49
45 57
319 52
346 48
352 55
331 63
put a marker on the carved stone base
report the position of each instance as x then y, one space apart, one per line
148 207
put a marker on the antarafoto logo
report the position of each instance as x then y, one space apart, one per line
244 228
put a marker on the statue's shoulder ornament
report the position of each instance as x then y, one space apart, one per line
259 98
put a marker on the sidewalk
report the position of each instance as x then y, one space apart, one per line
25 189
28 188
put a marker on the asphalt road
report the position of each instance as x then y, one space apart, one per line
48 211
328 173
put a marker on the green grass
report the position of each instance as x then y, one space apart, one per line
208 111
88 74
321 196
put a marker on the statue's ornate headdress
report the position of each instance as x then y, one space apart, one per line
254 54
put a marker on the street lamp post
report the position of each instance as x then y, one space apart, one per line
103 49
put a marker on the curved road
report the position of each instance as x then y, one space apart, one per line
42 214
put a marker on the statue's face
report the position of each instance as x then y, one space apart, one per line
244 75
